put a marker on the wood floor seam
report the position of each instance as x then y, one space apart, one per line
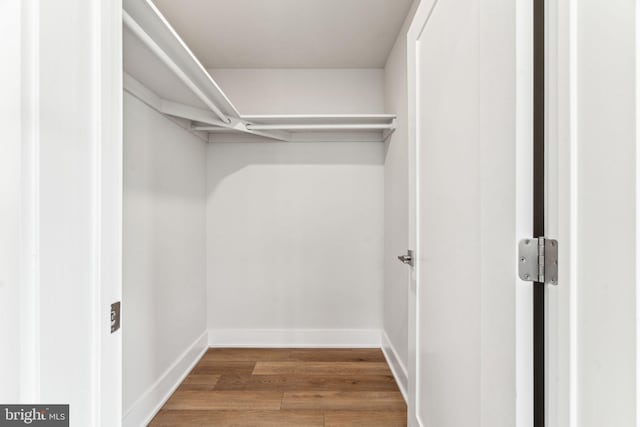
287 387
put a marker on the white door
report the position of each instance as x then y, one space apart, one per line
465 221
460 316
592 208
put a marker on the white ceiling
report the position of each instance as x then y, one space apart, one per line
287 33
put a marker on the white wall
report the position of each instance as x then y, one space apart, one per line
303 91
295 231
164 246
396 198
10 103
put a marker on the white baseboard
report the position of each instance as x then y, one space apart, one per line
321 338
397 367
145 408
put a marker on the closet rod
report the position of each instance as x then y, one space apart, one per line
320 127
162 55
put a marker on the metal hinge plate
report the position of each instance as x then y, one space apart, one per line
538 260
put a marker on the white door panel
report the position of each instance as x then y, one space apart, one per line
462 85
448 227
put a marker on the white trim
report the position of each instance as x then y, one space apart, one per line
282 338
637 195
29 304
147 406
419 23
395 364
524 210
562 214
573 215
108 166
96 216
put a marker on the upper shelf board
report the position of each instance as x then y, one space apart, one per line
161 69
142 18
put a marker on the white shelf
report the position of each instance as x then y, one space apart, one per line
321 119
155 55
161 70
312 128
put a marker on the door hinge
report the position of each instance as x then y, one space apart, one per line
538 260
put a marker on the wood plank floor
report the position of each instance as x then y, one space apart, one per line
287 387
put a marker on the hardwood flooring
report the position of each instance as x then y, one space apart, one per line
287 387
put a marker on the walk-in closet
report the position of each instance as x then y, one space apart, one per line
255 141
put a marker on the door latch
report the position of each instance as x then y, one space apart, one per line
538 260
115 316
407 259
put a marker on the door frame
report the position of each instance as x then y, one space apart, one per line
83 180
417 27
583 372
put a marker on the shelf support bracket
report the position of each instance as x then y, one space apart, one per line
162 55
